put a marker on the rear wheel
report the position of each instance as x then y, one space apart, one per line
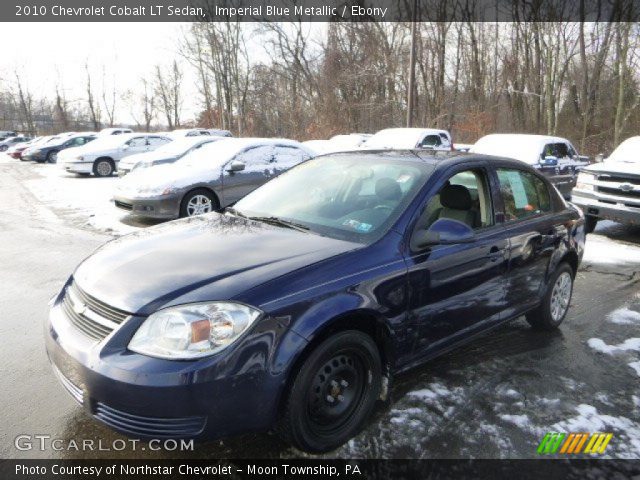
590 223
198 202
555 303
103 167
333 393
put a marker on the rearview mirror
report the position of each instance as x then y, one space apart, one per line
549 160
235 166
444 231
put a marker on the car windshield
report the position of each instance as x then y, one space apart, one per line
628 151
348 196
180 146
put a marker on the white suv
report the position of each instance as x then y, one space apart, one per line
101 156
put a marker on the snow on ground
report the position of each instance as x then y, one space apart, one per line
602 250
624 316
597 344
87 200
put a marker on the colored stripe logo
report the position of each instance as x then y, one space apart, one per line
574 443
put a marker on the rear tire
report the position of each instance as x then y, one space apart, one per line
555 303
333 393
103 167
590 223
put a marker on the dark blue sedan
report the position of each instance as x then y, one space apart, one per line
293 310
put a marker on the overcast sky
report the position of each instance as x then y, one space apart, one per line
42 51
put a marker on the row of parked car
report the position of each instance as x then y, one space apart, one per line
196 171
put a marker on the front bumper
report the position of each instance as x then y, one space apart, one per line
606 207
146 397
78 167
161 207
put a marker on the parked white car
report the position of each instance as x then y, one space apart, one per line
101 157
410 139
196 132
168 153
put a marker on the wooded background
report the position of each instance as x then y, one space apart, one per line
307 81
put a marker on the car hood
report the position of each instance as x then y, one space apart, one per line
631 168
176 175
209 257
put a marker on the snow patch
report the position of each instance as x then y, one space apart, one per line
624 316
601 250
598 344
521 421
635 366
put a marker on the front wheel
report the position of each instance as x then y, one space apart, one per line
555 303
103 167
3 148
333 393
198 202
52 157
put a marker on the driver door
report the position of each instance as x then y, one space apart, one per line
458 289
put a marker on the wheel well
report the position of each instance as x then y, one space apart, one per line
104 158
211 191
362 322
572 259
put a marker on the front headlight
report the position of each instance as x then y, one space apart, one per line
585 181
193 331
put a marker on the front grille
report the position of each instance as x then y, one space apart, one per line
90 316
620 193
618 179
75 391
123 205
149 426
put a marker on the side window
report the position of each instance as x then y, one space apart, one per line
464 197
523 193
289 156
257 158
79 141
431 141
137 142
157 141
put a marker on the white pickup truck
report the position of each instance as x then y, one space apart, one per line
611 189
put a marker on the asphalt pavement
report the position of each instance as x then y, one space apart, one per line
495 398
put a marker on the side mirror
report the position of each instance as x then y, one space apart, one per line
235 166
444 231
549 160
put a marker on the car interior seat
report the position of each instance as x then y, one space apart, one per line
457 204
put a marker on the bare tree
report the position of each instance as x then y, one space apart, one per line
94 107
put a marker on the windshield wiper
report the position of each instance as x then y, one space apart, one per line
235 212
282 222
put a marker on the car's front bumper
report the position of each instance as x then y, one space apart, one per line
161 207
606 207
147 397
78 167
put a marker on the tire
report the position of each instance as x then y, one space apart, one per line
3 148
103 167
198 202
52 156
590 223
556 301
333 393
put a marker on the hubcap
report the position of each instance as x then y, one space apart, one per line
54 157
560 296
336 391
198 204
104 169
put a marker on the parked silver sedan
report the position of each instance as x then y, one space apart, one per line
214 176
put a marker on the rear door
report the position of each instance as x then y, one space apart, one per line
534 233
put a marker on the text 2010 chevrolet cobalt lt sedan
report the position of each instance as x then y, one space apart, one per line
292 310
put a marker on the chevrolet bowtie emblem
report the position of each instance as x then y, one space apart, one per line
80 308
626 187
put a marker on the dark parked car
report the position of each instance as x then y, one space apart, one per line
293 308
48 152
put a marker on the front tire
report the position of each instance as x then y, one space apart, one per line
555 303
198 202
590 223
52 157
333 393
103 167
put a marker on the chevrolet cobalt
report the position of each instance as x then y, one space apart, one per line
292 309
